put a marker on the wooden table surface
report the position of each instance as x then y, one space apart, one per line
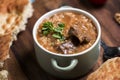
23 66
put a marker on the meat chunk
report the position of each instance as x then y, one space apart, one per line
67 47
78 36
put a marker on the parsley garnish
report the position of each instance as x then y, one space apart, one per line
48 28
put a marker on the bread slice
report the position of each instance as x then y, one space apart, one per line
110 70
13 17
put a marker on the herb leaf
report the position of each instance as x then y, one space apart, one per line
57 35
56 31
47 28
46 32
59 28
62 25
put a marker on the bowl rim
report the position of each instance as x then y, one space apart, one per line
50 13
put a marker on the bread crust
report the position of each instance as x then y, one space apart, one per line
13 17
110 70
7 6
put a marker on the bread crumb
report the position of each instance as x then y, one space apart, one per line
117 17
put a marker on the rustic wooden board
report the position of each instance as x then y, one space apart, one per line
23 66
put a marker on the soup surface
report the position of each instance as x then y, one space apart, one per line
67 33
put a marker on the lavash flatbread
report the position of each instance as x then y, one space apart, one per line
13 17
110 70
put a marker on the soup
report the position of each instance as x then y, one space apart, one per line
67 33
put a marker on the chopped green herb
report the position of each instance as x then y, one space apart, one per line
61 25
44 28
62 38
48 24
56 31
47 28
46 32
57 35
59 28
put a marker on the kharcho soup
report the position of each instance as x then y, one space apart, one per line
67 33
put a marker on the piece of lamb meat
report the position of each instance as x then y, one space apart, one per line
67 47
77 36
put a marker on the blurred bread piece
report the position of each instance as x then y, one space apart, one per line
117 17
13 17
3 75
110 70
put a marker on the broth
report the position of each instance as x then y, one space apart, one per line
67 33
